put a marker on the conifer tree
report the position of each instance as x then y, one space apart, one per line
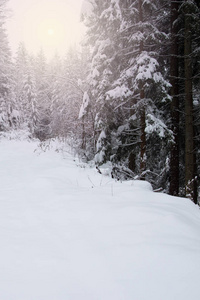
102 38
7 106
20 73
127 85
29 93
142 86
42 129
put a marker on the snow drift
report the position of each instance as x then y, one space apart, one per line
69 233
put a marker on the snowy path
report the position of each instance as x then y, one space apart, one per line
68 233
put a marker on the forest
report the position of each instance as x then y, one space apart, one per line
129 95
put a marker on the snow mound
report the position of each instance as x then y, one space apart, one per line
139 184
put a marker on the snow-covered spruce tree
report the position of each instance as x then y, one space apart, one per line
73 72
29 95
55 95
21 65
82 113
58 94
142 89
42 128
41 79
8 107
127 86
102 36
31 89
86 118
64 94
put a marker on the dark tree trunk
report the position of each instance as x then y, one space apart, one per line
142 112
174 161
143 139
83 144
190 163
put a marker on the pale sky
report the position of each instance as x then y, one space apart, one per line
49 24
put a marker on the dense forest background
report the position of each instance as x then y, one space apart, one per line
129 95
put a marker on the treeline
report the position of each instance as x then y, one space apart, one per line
43 97
130 96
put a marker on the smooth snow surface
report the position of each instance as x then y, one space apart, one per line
69 233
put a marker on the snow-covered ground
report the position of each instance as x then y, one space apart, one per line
69 233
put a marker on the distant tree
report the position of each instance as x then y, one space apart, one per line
7 101
54 76
21 65
42 128
73 72
29 94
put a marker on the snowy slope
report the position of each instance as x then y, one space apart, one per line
69 233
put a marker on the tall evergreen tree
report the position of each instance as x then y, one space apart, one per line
7 112
142 85
21 66
42 128
102 35
29 93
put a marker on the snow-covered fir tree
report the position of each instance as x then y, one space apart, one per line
8 108
29 95
42 130
21 62
102 38
127 87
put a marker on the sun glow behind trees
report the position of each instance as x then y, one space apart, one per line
48 24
